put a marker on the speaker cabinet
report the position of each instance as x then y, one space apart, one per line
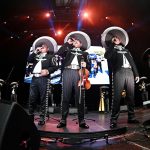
17 131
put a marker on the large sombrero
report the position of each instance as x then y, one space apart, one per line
82 36
110 32
49 41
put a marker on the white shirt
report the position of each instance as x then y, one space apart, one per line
75 60
38 67
125 62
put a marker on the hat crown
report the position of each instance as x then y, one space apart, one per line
82 37
114 31
49 41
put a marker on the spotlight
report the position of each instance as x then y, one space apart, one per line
107 18
85 14
58 33
132 23
47 15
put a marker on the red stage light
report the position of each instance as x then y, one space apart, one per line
58 33
47 14
107 18
85 14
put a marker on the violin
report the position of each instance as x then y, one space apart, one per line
84 74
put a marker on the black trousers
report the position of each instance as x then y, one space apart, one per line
38 90
70 81
123 79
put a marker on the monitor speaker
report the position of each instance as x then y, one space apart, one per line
17 131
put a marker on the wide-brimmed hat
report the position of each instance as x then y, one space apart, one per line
49 41
82 37
111 32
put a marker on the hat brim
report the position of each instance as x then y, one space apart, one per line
110 32
82 36
49 41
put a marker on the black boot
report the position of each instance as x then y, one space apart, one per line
113 124
61 124
41 121
82 124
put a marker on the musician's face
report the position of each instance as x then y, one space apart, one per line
77 43
116 40
44 48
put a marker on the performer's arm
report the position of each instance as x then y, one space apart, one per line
31 58
51 61
109 51
64 49
134 68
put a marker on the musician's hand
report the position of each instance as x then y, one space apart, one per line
137 79
44 72
38 50
83 64
70 40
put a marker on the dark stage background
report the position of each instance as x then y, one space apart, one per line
21 22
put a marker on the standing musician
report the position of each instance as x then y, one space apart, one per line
125 73
43 66
74 58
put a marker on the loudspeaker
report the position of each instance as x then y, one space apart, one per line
17 131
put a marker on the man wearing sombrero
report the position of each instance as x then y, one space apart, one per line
43 66
124 70
74 58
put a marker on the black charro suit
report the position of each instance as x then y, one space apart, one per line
38 86
70 79
123 78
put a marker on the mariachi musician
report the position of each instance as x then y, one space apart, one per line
124 71
74 58
43 65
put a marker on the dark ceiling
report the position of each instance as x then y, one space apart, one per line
132 15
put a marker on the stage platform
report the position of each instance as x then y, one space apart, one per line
98 126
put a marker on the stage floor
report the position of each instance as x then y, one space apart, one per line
98 128
97 121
